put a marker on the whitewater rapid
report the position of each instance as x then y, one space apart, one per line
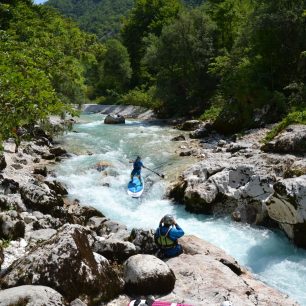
268 254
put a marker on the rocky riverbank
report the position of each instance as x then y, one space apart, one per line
254 183
59 252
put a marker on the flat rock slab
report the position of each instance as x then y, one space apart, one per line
31 296
208 276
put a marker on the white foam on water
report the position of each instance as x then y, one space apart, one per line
268 254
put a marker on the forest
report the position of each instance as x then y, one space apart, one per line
238 63
241 64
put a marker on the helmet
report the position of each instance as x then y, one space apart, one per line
168 219
226 303
138 158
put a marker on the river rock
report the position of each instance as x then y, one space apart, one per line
40 235
77 302
146 274
114 249
201 132
57 151
40 197
47 156
12 202
31 296
190 125
287 206
2 162
223 187
58 187
8 186
108 226
66 264
206 275
178 138
114 119
42 170
143 240
291 140
11 226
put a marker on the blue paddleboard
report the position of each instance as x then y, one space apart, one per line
135 187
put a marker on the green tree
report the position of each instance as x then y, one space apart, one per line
147 17
117 70
181 57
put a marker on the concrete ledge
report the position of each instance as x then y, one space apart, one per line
128 111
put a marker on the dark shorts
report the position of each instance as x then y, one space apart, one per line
136 172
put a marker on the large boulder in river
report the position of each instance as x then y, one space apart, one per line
146 274
287 206
114 119
222 187
291 140
31 296
66 264
39 196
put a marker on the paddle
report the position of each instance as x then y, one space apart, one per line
161 175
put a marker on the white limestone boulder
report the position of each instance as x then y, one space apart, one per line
67 264
31 296
146 274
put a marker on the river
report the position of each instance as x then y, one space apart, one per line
268 254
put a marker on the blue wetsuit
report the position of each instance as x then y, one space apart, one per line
173 234
137 168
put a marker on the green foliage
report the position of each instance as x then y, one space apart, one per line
147 17
141 97
44 60
230 17
98 17
4 243
298 117
116 72
180 58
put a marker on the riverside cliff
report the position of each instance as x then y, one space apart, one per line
255 183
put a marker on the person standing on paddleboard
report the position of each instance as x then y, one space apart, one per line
137 165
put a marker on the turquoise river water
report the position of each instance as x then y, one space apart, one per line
268 254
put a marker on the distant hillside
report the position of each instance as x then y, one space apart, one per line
101 17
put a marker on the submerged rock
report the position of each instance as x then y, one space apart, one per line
31 296
66 264
146 274
178 138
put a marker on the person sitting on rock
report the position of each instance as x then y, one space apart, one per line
166 236
137 165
